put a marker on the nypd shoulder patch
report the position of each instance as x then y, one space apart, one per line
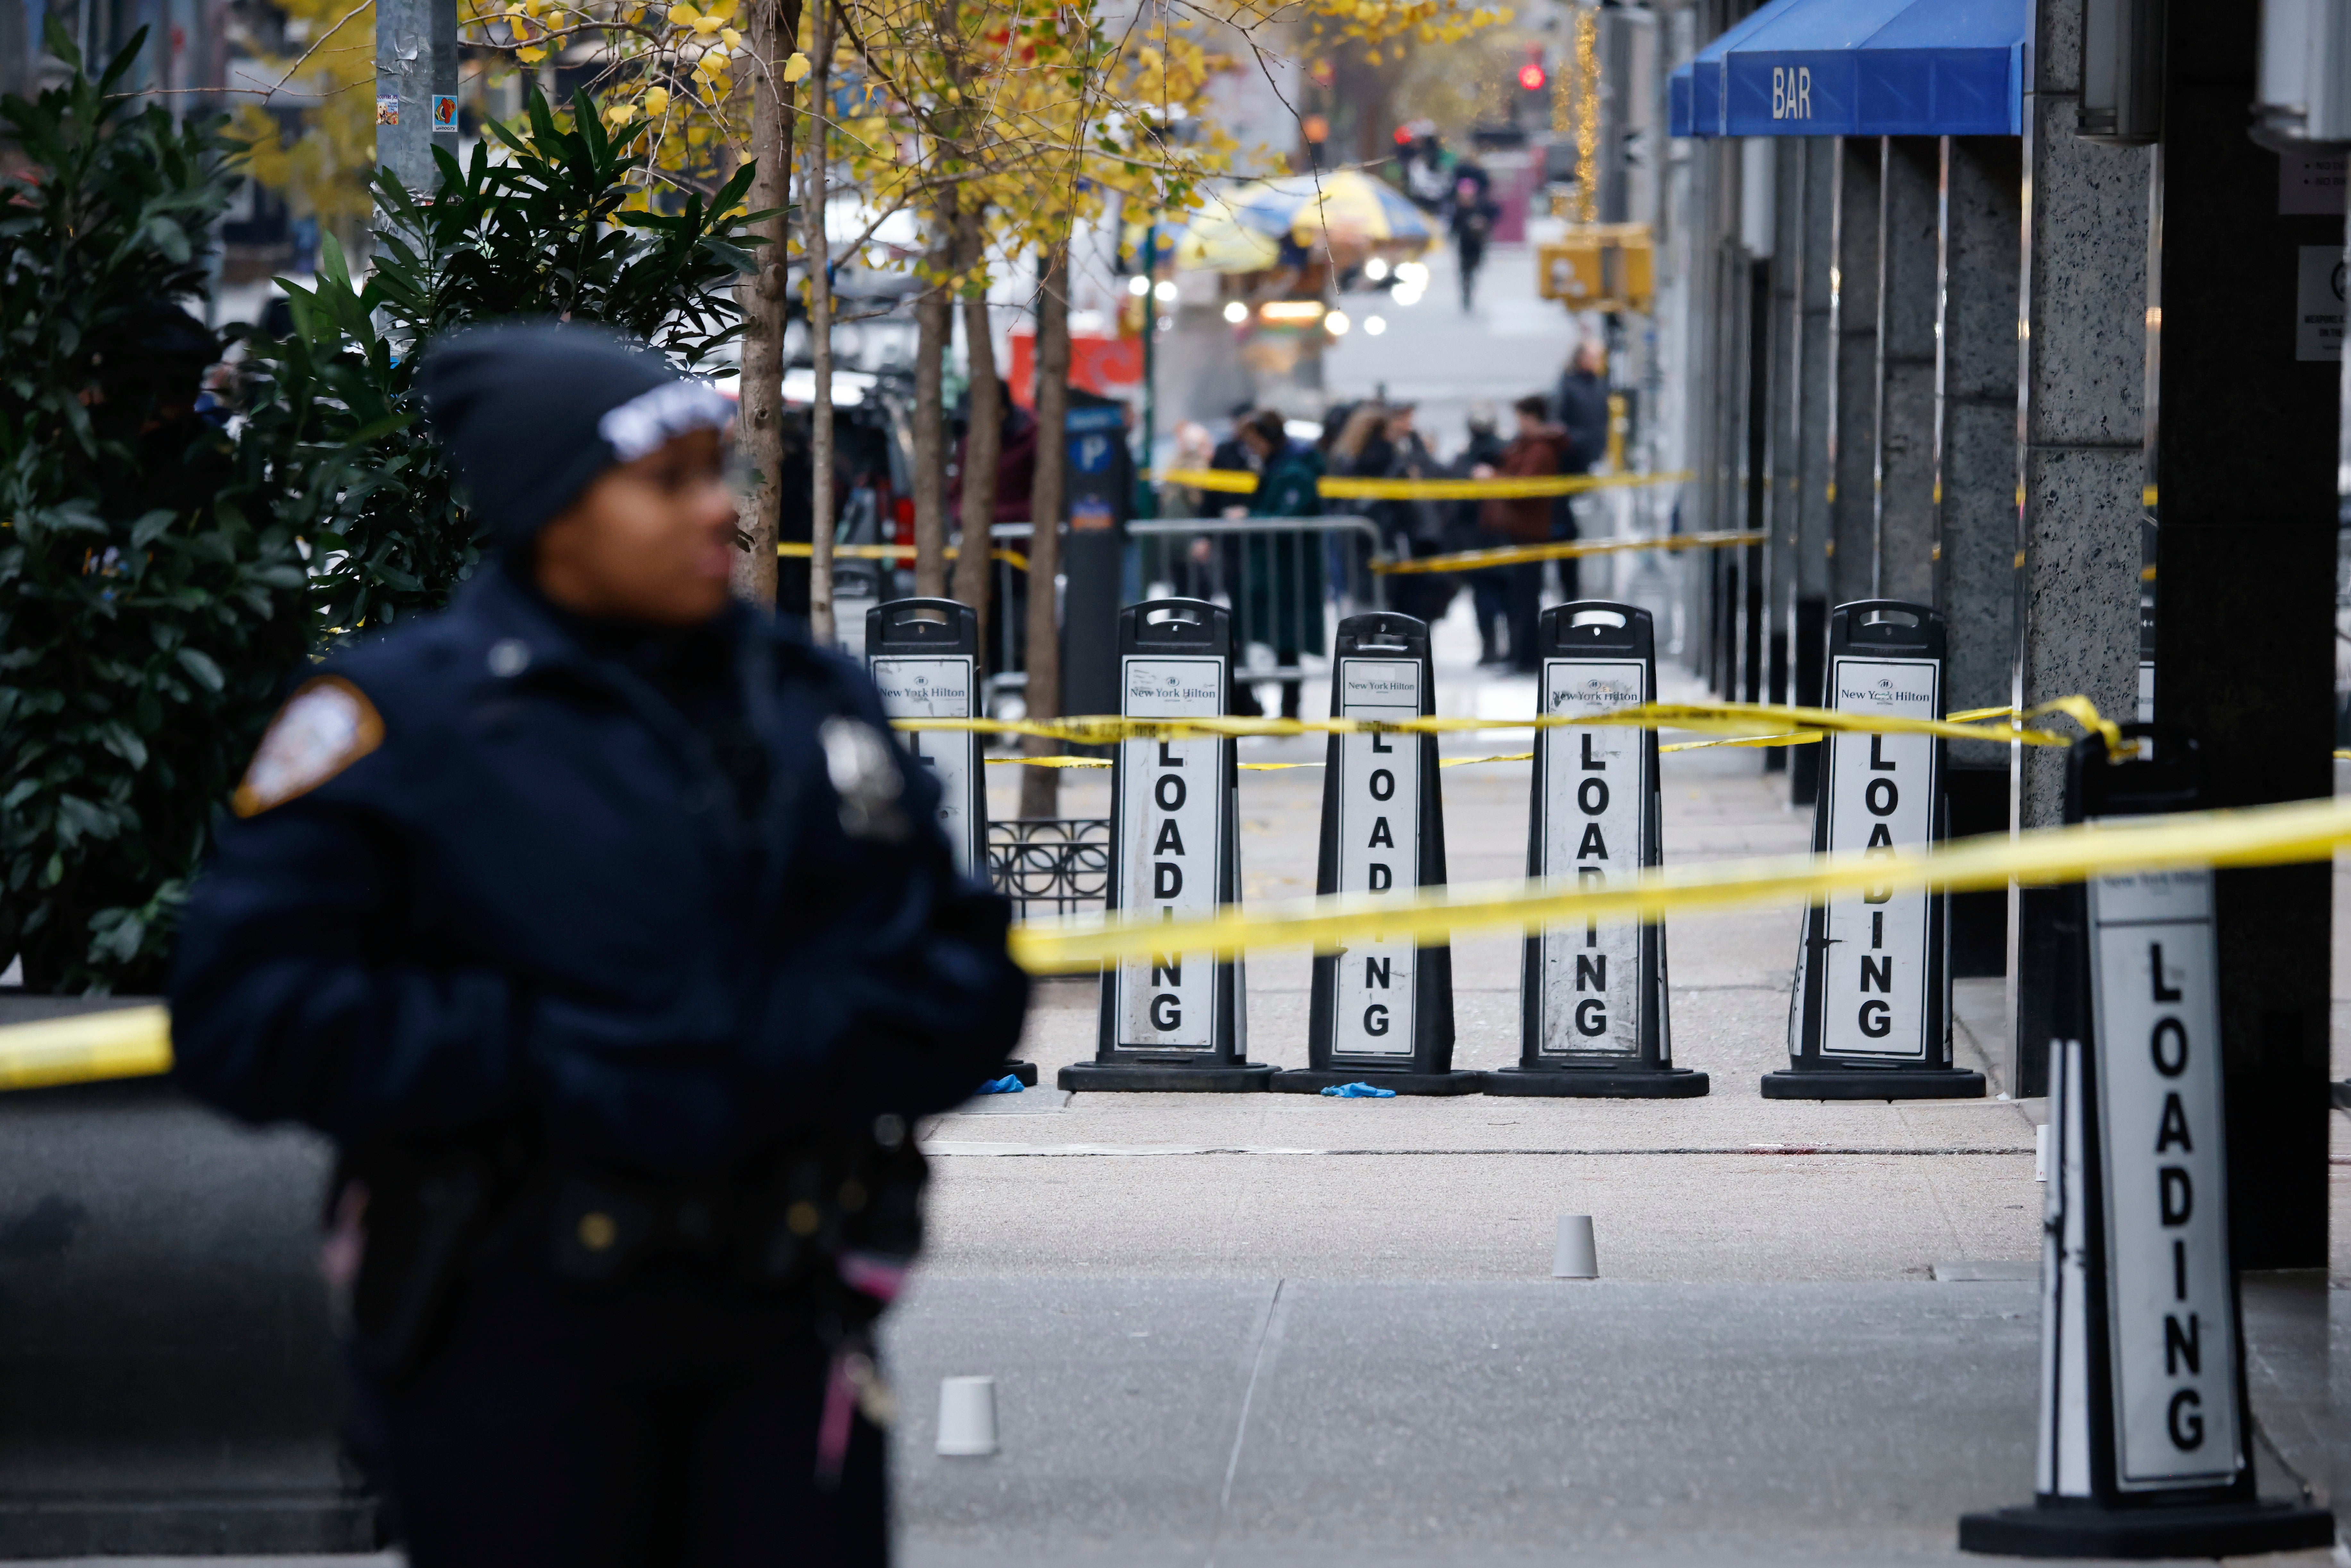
323 728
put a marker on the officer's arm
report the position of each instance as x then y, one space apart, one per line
903 997
284 1008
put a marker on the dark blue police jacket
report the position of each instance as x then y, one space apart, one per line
533 905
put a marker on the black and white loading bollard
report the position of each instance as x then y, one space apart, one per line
2144 1424
1592 1005
1870 1017
923 655
1383 1008
1174 1021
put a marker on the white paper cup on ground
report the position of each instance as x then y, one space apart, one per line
967 1416
1574 1257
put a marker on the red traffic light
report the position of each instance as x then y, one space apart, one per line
1531 76
1404 135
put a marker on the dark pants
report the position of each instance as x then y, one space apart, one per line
1471 256
1523 604
669 1420
1512 594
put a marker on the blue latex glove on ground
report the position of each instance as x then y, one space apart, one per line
1358 1092
1008 1085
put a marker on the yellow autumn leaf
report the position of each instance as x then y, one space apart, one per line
657 100
619 113
796 67
705 26
531 55
683 15
733 39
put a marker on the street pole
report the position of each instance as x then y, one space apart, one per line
415 86
1146 497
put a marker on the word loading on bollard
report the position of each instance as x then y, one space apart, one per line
923 657
2145 1428
1174 1017
1593 992
1870 1016
1382 1007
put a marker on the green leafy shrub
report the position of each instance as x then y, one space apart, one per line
150 601
543 234
160 578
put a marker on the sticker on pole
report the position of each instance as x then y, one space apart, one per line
1594 789
1379 852
938 686
1169 843
1881 799
2158 1053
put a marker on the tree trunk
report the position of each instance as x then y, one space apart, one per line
983 443
775 27
932 322
817 250
1047 494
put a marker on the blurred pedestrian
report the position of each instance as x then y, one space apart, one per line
1410 525
1472 219
1354 435
601 924
1580 407
1281 600
1016 458
1232 452
1463 532
1193 568
1537 449
1427 174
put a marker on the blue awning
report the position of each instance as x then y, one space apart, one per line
1694 93
1860 68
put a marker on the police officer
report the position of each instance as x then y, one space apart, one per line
598 923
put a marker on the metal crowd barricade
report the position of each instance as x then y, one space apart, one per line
1055 865
1275 574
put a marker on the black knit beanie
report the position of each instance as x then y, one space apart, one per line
530 413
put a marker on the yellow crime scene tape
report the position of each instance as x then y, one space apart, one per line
794 549
1802 737
2258 836
1753 724
136 1042
1340 487
1564 550
129 1042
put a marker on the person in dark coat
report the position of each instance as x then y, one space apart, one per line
1536 451
1488 589
1579 405
1016 459
1471 215
1281 600
601 925
1410 528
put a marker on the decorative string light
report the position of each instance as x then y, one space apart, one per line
1587 114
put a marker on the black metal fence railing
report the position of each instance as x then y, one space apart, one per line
1055 865
1277 575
